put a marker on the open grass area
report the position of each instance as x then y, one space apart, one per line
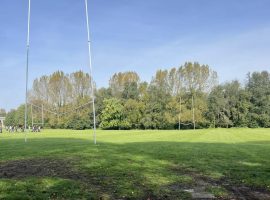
65 164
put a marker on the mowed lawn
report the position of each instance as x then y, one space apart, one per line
65 164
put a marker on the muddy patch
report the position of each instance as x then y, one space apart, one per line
20 169
202 183
197 190
53 168
200 191
60 168
247 193
64 169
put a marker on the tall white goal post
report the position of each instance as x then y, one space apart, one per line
89 62
27 68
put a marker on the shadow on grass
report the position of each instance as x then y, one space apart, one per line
61 168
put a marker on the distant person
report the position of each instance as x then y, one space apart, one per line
22 128
1 129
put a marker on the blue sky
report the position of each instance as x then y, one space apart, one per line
232 36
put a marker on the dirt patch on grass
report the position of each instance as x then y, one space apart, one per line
202 184
53 168
249 193
59 168
42 167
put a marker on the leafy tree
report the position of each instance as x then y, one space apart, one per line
153 117
229 105
119 81
81 84
2 112
198 78
170 98
131 91
20 114
196 83
10 118
112 116
133 111
259 87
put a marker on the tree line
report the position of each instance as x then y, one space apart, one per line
185 97
2 112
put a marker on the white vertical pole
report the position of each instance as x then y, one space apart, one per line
27 66
179 125
42 115
91 70
32 116
193 113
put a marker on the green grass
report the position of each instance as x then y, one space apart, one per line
134 164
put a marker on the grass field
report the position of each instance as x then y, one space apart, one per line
65 164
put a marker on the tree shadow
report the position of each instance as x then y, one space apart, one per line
140 170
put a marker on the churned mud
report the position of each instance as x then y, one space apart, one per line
199 190
22 169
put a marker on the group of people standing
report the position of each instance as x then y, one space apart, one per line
35 129
16 129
